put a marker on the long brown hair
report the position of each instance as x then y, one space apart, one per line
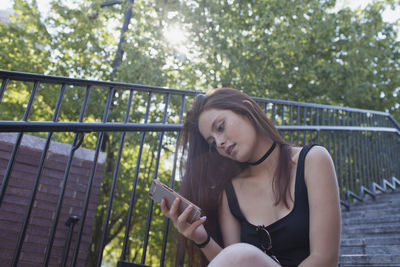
205 173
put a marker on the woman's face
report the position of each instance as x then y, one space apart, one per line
232 135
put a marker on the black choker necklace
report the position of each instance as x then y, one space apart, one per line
266 155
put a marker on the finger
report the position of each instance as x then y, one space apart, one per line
174 208
197 223
164 208
185 215
190 230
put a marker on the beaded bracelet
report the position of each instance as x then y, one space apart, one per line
205 243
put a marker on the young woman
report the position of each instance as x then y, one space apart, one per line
266 203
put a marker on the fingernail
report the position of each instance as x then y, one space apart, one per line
203 218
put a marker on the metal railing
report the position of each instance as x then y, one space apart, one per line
137 127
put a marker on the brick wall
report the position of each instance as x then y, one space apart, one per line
13 208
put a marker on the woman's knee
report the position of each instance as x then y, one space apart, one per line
241 254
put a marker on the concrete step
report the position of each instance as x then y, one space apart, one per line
389 197
371 241
371 232
391 218
371 229
376 204
362 249
370 213
370 260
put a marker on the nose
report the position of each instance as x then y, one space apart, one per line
220 141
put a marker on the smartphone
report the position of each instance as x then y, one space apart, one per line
158 191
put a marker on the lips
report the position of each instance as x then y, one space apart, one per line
229 150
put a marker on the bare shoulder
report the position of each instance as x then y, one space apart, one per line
318 155
319 164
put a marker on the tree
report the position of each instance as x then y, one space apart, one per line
299 51
292 50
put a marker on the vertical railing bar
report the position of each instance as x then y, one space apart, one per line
367 153
91 176
25 222
354 173
78 139
312 123
346 155
386 158
326 122
298 123
290 122
370 157
274 113
114 183
135 181
84 104
364 160
396 155
337 120
70 223
340 167
172 182
381 152
391 156
363 155
150 210
11 162
326 135
377 156
373 161
75 144
283 114
3 87
328 116
359 170
305 123
351 153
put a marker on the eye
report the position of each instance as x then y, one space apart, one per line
220 127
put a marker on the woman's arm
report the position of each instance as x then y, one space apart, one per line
194 231
324 203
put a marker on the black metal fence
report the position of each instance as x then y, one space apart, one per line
137 127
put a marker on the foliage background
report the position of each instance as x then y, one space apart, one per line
292 50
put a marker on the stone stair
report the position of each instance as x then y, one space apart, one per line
371 232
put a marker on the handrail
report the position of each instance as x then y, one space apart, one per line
33 77
47 126
364 145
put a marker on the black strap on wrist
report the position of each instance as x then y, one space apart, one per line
205 243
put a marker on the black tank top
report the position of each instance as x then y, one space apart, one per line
290 234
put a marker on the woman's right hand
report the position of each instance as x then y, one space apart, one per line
194 231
